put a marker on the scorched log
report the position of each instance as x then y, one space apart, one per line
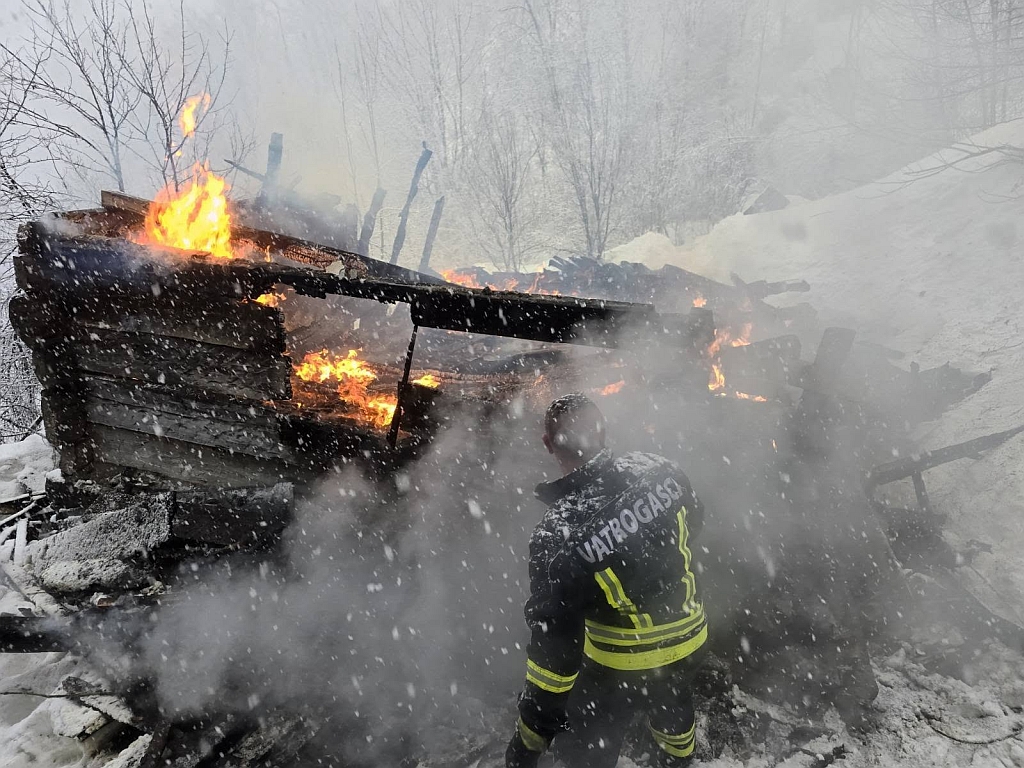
190 463
244 427
165 360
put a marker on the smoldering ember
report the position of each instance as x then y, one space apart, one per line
272 428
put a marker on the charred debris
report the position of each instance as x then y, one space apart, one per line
194 401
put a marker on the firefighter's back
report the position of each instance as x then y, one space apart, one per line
633 556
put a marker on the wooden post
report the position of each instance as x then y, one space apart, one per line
428 245
921 492
403 218
370 221
396 420
275 151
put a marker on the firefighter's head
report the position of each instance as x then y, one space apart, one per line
573 430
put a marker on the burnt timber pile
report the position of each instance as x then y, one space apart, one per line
165 377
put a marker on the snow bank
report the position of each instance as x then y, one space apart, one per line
927 263
23 466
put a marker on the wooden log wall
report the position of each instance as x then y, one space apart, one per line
173 378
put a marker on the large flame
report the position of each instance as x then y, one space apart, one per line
353 377
192 218
188 120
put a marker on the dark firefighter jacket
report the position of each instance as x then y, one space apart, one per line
610 579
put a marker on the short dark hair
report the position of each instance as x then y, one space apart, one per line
574 423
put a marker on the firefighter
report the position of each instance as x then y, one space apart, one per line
617 625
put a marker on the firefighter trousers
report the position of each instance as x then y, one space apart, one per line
604 702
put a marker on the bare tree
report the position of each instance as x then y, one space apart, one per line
108 88
432 57
589 109
80 90
22 196
166 77
504 155
369 71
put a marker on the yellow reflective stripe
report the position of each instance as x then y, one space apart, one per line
548 680
658 657
678 751
531 739
668 738
608 635
684 550
617 599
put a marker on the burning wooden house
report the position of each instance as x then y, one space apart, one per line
178 362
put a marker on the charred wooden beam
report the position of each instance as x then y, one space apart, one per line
914 465
761 289
403 217
370 221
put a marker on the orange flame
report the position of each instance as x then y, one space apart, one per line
270 299
724 336
467 278
428 380
187 120
612 389
354 377
755 398
717 379
193 218
699 301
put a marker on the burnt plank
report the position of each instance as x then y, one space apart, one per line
225 322
187 462
231 517
243 427
49 262
229 323
164 360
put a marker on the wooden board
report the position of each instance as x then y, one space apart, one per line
205 367
187 462
229 323
65 319
247 428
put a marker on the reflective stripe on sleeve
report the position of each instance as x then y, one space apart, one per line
547 680
658 657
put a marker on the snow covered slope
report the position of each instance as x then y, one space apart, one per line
929 263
